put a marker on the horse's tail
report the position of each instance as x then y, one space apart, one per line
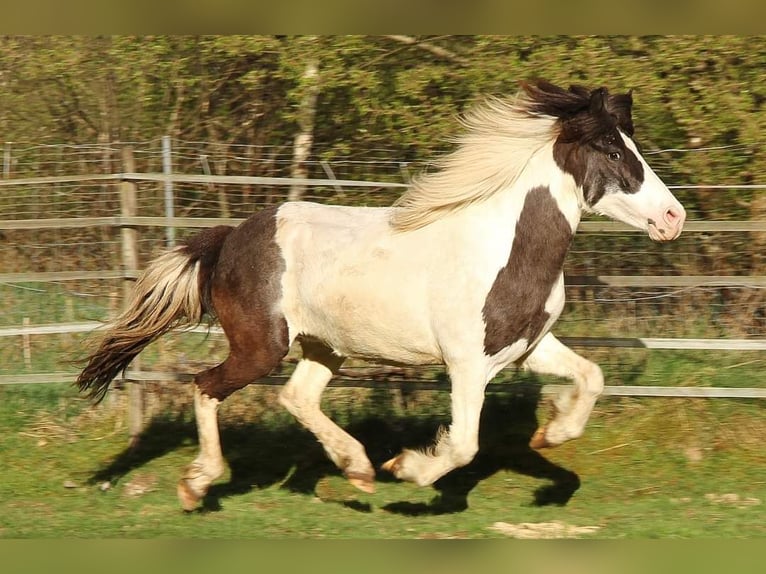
173 291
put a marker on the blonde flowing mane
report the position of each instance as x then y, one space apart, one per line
499 139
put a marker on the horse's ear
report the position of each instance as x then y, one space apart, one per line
620 106
598 101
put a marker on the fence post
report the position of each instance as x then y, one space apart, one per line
7 160
167 169
129 236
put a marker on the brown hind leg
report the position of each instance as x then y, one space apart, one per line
212 387
244 291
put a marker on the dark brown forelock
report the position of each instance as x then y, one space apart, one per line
572 107
551 100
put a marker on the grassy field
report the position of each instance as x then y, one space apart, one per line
646 468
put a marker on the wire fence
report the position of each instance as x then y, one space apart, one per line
629 300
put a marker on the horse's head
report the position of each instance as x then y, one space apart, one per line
595 146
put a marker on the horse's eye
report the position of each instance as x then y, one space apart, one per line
614 155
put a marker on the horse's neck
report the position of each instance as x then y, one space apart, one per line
564 190
497 216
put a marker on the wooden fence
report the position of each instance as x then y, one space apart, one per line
130 224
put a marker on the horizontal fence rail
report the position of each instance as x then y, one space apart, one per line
130 221
621 342
117 221
341 381
259 180
193 222
359 381
755 281
195 178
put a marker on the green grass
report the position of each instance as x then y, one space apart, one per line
646 468
44 303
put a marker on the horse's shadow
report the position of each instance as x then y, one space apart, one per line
507 423
261 455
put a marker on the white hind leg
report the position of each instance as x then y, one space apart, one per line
302 395
212 386
574 405
457 446
209 463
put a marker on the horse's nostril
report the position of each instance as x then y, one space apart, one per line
672 215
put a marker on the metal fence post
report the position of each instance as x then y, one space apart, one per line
7 160
167 170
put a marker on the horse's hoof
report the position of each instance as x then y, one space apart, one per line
538 439
364 482
189 500
393 465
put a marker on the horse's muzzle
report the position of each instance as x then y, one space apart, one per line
669 226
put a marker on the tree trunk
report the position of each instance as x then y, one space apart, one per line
305 136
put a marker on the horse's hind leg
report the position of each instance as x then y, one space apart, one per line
244 291
302 395
244 365
574 405
209 464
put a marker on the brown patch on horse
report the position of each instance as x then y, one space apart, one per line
171 292
589 137
591 166
515 305
205 247
245 293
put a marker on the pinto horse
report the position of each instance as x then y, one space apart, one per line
464 270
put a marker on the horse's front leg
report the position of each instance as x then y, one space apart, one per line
574 405
455 447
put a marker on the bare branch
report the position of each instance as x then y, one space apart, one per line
428 47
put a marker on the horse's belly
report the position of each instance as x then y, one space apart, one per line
364 317
372 336
390 353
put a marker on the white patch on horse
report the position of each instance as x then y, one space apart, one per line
336 292
506 356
